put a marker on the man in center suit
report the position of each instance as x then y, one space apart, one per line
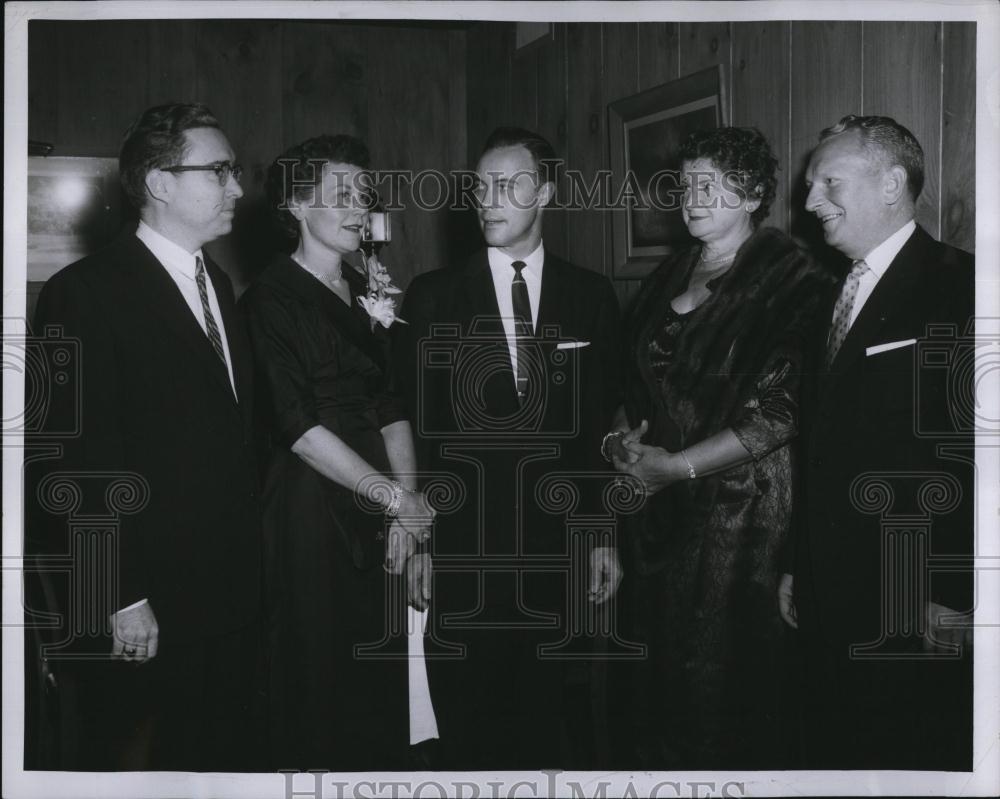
511 367
165 388
887 482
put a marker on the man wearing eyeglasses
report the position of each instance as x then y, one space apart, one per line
164 400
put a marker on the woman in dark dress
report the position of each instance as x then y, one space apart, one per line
716 340
339 438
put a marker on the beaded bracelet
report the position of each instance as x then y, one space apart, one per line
691 472
604 443
392 509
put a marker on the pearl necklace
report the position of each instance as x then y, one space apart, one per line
329 282
724 259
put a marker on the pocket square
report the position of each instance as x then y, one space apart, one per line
892 345
571 345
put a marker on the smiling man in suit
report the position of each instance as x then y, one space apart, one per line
511 368
887 490
165 400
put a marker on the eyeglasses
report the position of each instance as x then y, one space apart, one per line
222 170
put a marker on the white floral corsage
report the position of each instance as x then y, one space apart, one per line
379 302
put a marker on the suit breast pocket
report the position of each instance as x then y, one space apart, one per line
890 380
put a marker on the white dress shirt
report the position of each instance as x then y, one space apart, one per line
878 261
180 265
503 276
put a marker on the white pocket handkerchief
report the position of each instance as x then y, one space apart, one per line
892 345
571 345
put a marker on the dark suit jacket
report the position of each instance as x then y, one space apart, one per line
500 705
155 400
875 427
455 369
888 412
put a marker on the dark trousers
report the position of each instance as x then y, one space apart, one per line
194 707
887 714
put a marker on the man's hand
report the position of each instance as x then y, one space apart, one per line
942 638
418 580
400 544
605 574
136 633
786 601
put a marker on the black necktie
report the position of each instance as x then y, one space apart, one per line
522 326
211 328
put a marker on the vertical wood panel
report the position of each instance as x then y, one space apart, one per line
621 79
43 78
239 77
658 51
524 89
457 107
171 62
902 80
489 51
703 44
826 84
324 81
551 112
100 90
585 139
405 133
760 97
958 145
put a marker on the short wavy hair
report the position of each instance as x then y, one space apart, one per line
542 152
156 140
886 144
297 173
743 152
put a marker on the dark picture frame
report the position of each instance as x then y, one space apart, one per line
645 133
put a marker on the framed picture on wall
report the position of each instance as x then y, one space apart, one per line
645 134
74 208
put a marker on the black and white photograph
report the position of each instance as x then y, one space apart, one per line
501 399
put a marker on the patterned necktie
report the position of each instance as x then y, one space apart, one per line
842 311
522 326
211 328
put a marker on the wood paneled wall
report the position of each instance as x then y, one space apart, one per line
425 96
272 84
790 79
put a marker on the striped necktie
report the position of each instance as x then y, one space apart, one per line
523 331
211 328
842 311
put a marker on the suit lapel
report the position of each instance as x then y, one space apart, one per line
480 315
478 293
553 302
156 291
892 301
889 300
